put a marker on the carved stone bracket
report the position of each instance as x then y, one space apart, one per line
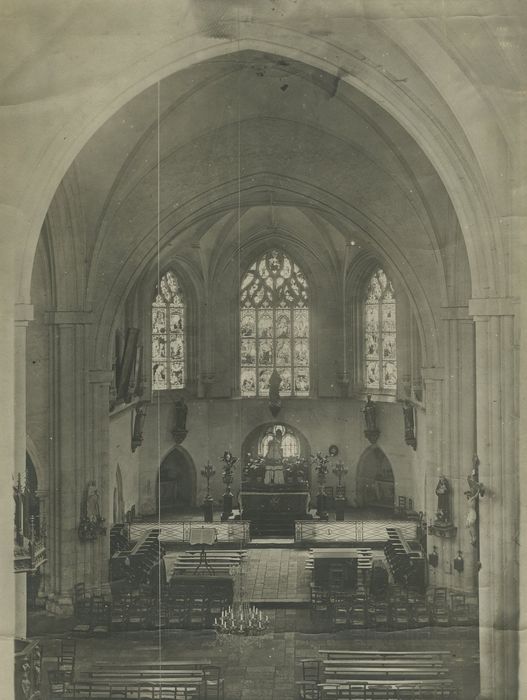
446 531
179 435
372 435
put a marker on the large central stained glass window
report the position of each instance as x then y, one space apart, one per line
274 326
380 359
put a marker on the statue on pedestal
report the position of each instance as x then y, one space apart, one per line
475 491
179 431
409 425
370 417
139 421
275 402
274 472
443 515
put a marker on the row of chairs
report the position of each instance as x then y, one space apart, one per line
174 610
400 609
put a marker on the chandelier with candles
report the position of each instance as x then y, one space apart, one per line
240 618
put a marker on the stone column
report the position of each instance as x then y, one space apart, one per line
497 436
23 315
96 554
43 498
69 337
433 383
459 437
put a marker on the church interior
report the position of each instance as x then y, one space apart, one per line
264 359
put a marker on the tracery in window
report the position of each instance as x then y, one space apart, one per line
168 335
289 443
274 326
380 359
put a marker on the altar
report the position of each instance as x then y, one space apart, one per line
274 493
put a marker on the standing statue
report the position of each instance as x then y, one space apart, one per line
443 515
409 424
275 402
179 431
93 510
92 523
274 472
139 421
475 491
370 417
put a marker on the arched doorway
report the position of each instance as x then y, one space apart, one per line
375 480
176 482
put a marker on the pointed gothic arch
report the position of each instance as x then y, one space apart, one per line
375 479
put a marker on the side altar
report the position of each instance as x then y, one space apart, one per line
274 493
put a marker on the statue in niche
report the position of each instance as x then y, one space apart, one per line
475 491
443 515
179 430
275 402
370 417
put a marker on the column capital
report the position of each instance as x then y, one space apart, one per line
23 314
454 313
493 306
70 318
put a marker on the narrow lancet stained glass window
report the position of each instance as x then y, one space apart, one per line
274 326
380 335
168 335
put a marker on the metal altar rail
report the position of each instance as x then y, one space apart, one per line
179 532
350 530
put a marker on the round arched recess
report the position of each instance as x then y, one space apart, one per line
473 205
252 444
176 482
375 480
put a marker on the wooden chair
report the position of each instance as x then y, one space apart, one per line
212 682
66 660
312 670
308 690
57 684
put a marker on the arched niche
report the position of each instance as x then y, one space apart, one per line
375 480
176 482
254 443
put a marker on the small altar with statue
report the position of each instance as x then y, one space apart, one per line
274 488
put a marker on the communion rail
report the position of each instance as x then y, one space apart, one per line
179 532
312 531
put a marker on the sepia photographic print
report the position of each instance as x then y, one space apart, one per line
261 285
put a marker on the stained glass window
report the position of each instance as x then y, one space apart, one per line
274 326
289 443
380 359
168 335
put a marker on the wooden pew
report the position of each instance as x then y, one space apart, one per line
345 653
388 690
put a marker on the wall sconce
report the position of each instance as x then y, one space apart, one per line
433 558
459 563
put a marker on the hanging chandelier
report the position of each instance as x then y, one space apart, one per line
241 619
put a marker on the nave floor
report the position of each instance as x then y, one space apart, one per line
267 669
276 574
